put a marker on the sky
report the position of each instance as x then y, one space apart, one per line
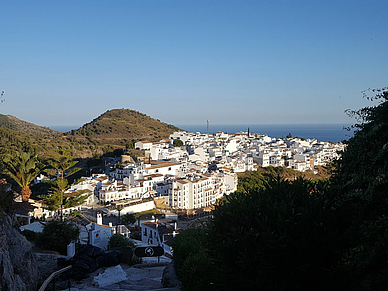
184 62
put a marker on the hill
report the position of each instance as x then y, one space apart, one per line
11 122
114 129
119 124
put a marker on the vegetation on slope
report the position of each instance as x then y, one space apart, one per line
250 180
124 124
359 200
302 234
115 129
11 122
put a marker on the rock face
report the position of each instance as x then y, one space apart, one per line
18 270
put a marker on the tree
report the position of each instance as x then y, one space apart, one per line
128 218
358 202
119 208
23 168
272 238
177 143
57 197
118 240
57 235
289 135
61 165
192 260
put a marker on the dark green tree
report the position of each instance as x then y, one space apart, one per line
128 218
192 261
57 197
177 143
61 165
272 238
57 235
359 200
118 240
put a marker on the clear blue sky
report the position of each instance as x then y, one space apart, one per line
232 62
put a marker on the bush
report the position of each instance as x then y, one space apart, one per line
177 143
57 235
128 218
273 238
117 240
358 203
136 235
30 235
192 261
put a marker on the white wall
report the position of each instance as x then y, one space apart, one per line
136 208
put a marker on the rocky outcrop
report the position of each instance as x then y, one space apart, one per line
47 264
18 270
89 258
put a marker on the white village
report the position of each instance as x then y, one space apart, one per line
185 179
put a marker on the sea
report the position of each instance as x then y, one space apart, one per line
320 132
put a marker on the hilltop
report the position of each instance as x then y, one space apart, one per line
118 124
14 123
112 130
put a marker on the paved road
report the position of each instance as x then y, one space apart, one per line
137 279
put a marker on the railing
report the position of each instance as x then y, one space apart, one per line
51 278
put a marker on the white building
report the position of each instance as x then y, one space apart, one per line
143 145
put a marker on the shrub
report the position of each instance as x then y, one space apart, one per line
57 235
272 238
136 235
117 240
128 218
30 235
192 261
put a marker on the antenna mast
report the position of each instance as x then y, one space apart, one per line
207 126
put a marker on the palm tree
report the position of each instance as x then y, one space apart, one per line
23 168
119 208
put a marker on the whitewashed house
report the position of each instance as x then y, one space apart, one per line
143 145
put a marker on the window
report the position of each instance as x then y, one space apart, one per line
145 232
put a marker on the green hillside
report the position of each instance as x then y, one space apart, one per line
118 124
114 129
11 122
